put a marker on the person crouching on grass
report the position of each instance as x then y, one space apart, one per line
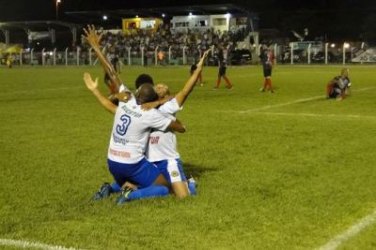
339 87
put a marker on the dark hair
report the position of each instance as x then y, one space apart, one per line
146 93
143 78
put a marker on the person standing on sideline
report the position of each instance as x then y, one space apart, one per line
267 60
222 69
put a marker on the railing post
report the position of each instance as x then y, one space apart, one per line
275 53
90 55
326 52
184 56
21 52
292 53
43 56
66 57
32 56
309 53
156 55
169 54
78 56
142 55
54 54
344 53
129 56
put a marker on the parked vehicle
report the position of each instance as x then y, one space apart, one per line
240 57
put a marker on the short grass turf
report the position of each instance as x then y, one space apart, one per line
289 170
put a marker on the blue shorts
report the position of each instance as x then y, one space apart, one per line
142 173
172 170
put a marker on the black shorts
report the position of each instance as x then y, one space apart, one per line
267 71
222 71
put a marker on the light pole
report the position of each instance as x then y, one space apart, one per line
57 8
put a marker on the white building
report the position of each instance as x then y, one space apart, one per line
224 22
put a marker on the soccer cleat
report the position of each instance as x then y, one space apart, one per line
103 192
192 180
192 185
124 196
262 90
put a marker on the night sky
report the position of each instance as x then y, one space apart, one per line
336 18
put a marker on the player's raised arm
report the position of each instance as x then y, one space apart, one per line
182 95
93 38
93 87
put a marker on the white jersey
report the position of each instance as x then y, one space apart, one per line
131 130
163 145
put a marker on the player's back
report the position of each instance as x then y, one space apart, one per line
131 130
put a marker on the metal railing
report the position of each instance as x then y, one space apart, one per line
184 55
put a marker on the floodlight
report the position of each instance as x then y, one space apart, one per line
105 17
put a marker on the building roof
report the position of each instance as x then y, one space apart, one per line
159 11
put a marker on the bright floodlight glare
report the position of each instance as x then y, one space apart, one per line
190 14
163 15
228 15
58 1
332 45
346 45
105 17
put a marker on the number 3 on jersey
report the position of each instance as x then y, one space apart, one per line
121 128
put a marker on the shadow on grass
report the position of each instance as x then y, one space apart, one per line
197 171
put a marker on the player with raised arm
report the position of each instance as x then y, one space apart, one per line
130 133
162 149
180 97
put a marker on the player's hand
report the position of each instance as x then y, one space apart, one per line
92 36
90 84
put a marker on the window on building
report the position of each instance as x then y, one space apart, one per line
219 21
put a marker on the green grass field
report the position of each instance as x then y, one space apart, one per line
289 170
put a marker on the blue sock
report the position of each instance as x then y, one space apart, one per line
149 192
115 187
192 188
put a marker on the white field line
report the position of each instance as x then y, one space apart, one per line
355 229
319 115
294 102
30 244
